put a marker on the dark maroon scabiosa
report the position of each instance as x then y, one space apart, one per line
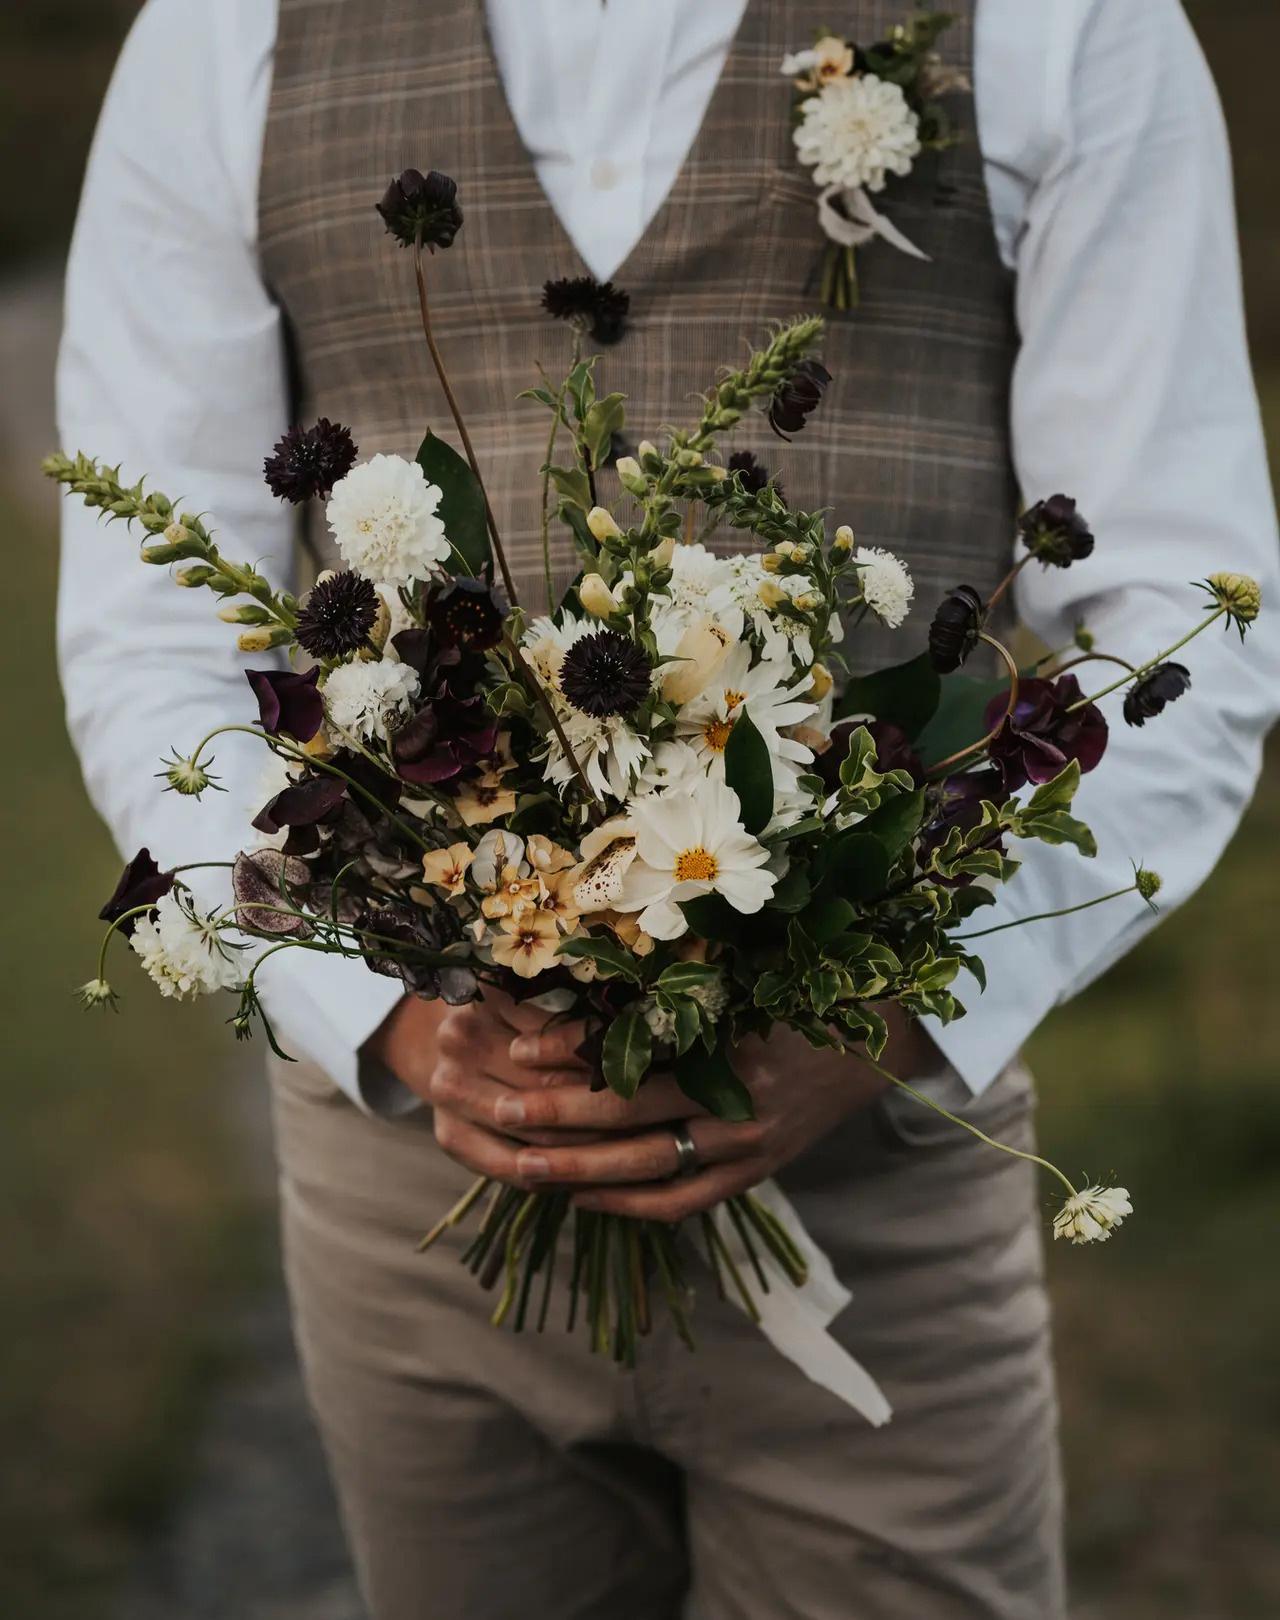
419 207
605 673
795 400
466 614
446 736
338 615
1042 735
141 883
596 307
289 704
1056 532
752 474
1148 696
956 626
310 461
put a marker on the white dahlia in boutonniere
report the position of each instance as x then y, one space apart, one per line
689 844
863 116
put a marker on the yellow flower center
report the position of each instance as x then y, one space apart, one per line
716 734
732 698
696 865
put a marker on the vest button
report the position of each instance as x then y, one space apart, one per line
604 174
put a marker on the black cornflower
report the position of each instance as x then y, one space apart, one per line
422 207
466 614
1055 532
954 632
310 461
605 673
141 883
1159 686
596 307
795 399
337 616
752 474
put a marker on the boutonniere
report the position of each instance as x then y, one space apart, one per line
862 115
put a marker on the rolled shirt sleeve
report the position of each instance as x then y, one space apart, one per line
172 364
1133 393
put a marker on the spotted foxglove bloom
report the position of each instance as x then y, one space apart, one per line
366 699
689 844
1092 1215
183 952
887 586
857 131
384 520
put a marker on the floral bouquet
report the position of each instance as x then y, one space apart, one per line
659 806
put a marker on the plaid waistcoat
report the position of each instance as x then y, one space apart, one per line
910 445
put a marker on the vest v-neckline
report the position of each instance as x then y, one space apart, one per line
640 260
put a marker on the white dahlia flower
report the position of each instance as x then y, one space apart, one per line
384 521
366 699
887 586
1092 1215
689 844
183 953
856 131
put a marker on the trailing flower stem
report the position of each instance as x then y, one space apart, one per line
1143 669
945 765
1044 916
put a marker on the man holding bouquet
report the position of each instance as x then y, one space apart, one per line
1037 285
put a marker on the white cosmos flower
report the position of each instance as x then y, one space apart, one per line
1092 1215
856 131
689 844
384 521
706 722
674 765
366 698
886 583
182 953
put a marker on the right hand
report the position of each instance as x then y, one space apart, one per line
480 1066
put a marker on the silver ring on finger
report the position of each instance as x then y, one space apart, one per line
687 1161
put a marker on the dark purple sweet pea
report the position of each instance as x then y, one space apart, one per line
288 704
1042 736
301 805
446 736
141 883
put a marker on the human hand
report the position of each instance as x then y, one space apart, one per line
791 1115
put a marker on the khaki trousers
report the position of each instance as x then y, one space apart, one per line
488 1476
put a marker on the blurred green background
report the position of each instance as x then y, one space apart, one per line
134 1230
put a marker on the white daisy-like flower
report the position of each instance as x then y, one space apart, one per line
856 131
702 586
675 765
183 953
886 584
546 642
384 520
688 844
610 753
1092 1215
365 699
764 692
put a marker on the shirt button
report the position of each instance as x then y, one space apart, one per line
604 174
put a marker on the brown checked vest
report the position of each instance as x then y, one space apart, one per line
910 445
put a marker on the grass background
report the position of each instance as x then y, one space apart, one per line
133 1231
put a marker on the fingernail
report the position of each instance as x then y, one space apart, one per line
523 1050
509 1111
532 1165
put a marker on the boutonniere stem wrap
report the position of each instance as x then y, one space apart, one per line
862 116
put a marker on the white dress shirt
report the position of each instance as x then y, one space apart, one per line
1108 173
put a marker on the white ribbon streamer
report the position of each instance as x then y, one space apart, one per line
795 1320
860 221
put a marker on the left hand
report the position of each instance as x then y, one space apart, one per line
800 1094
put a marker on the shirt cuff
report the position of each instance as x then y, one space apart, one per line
324 1009
1023 984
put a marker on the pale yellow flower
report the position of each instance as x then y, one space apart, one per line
513 895
447 868
545 855
484 800
527 944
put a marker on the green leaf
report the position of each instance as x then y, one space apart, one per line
896 822
711 917
855 866
602 421
708 1078
823 985
1057 794
905 695
960 716
791 892
461 508
571 482
827 917
607 954
749 772
681 977
688 1023
627 1051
